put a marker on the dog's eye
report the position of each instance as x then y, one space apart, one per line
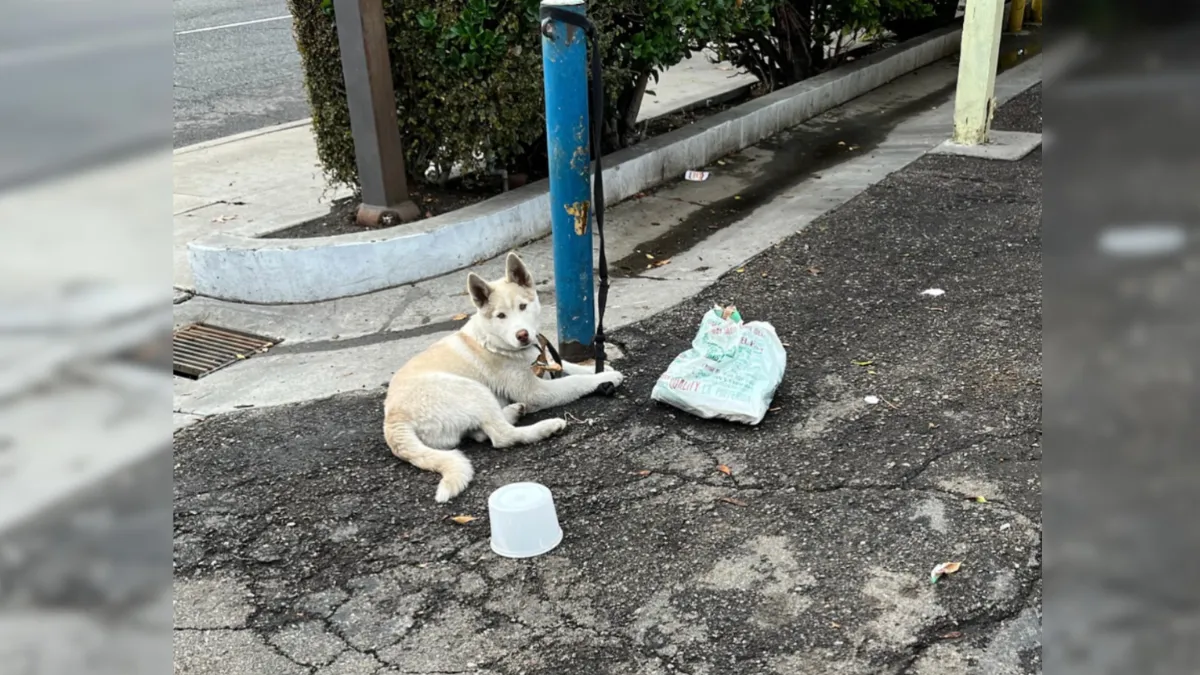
522 308
500 316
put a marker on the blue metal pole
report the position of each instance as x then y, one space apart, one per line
564 62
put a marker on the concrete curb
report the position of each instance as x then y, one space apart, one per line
204 145
268 271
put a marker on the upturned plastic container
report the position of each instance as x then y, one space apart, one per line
524 521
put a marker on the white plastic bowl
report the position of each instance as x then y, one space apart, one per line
524 521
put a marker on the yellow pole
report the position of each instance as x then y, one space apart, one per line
974 100
1036 9
1017 18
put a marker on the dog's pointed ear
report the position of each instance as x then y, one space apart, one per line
516 272
479 289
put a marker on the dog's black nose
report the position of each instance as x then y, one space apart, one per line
523 337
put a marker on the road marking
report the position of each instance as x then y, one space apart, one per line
233 25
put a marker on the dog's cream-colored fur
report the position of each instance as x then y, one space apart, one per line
478 382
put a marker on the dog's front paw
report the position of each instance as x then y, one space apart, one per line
556 425
609 381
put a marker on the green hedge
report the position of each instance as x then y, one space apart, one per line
468 73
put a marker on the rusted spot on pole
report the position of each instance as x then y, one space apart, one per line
579 211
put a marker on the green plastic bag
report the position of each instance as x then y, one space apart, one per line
731 372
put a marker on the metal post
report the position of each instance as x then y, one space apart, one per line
362 37
564 63
974 99
1016 16
1035 9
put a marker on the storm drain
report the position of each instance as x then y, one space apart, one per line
199 350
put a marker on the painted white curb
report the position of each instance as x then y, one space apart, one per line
264 271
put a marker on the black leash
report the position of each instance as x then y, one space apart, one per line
596 89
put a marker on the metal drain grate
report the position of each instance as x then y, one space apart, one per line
200 350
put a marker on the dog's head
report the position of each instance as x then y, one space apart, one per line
509 311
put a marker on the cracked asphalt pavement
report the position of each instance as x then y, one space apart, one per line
303 546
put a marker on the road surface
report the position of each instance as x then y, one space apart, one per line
83 85
236 68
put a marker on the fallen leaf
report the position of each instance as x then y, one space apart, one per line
660 263
740 270
981 499
814 271
952 635
725 470
458 317
224 219
863 363
721 162
649 257
240 356
841 142
737 196
462 520
644 472
943 569
854 147
732 500
775 409
835 624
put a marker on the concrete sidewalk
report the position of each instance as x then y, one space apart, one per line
263 181
302 546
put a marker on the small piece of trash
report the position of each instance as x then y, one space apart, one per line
841 142
1144 240
458 317
872 400
644 472
1005 526
943 569
775 409
952 635
696 176
224 219
725 470
720 162
933 292
732 500
462 520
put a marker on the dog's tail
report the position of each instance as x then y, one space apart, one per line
454 466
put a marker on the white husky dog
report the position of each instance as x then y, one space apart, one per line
479 381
